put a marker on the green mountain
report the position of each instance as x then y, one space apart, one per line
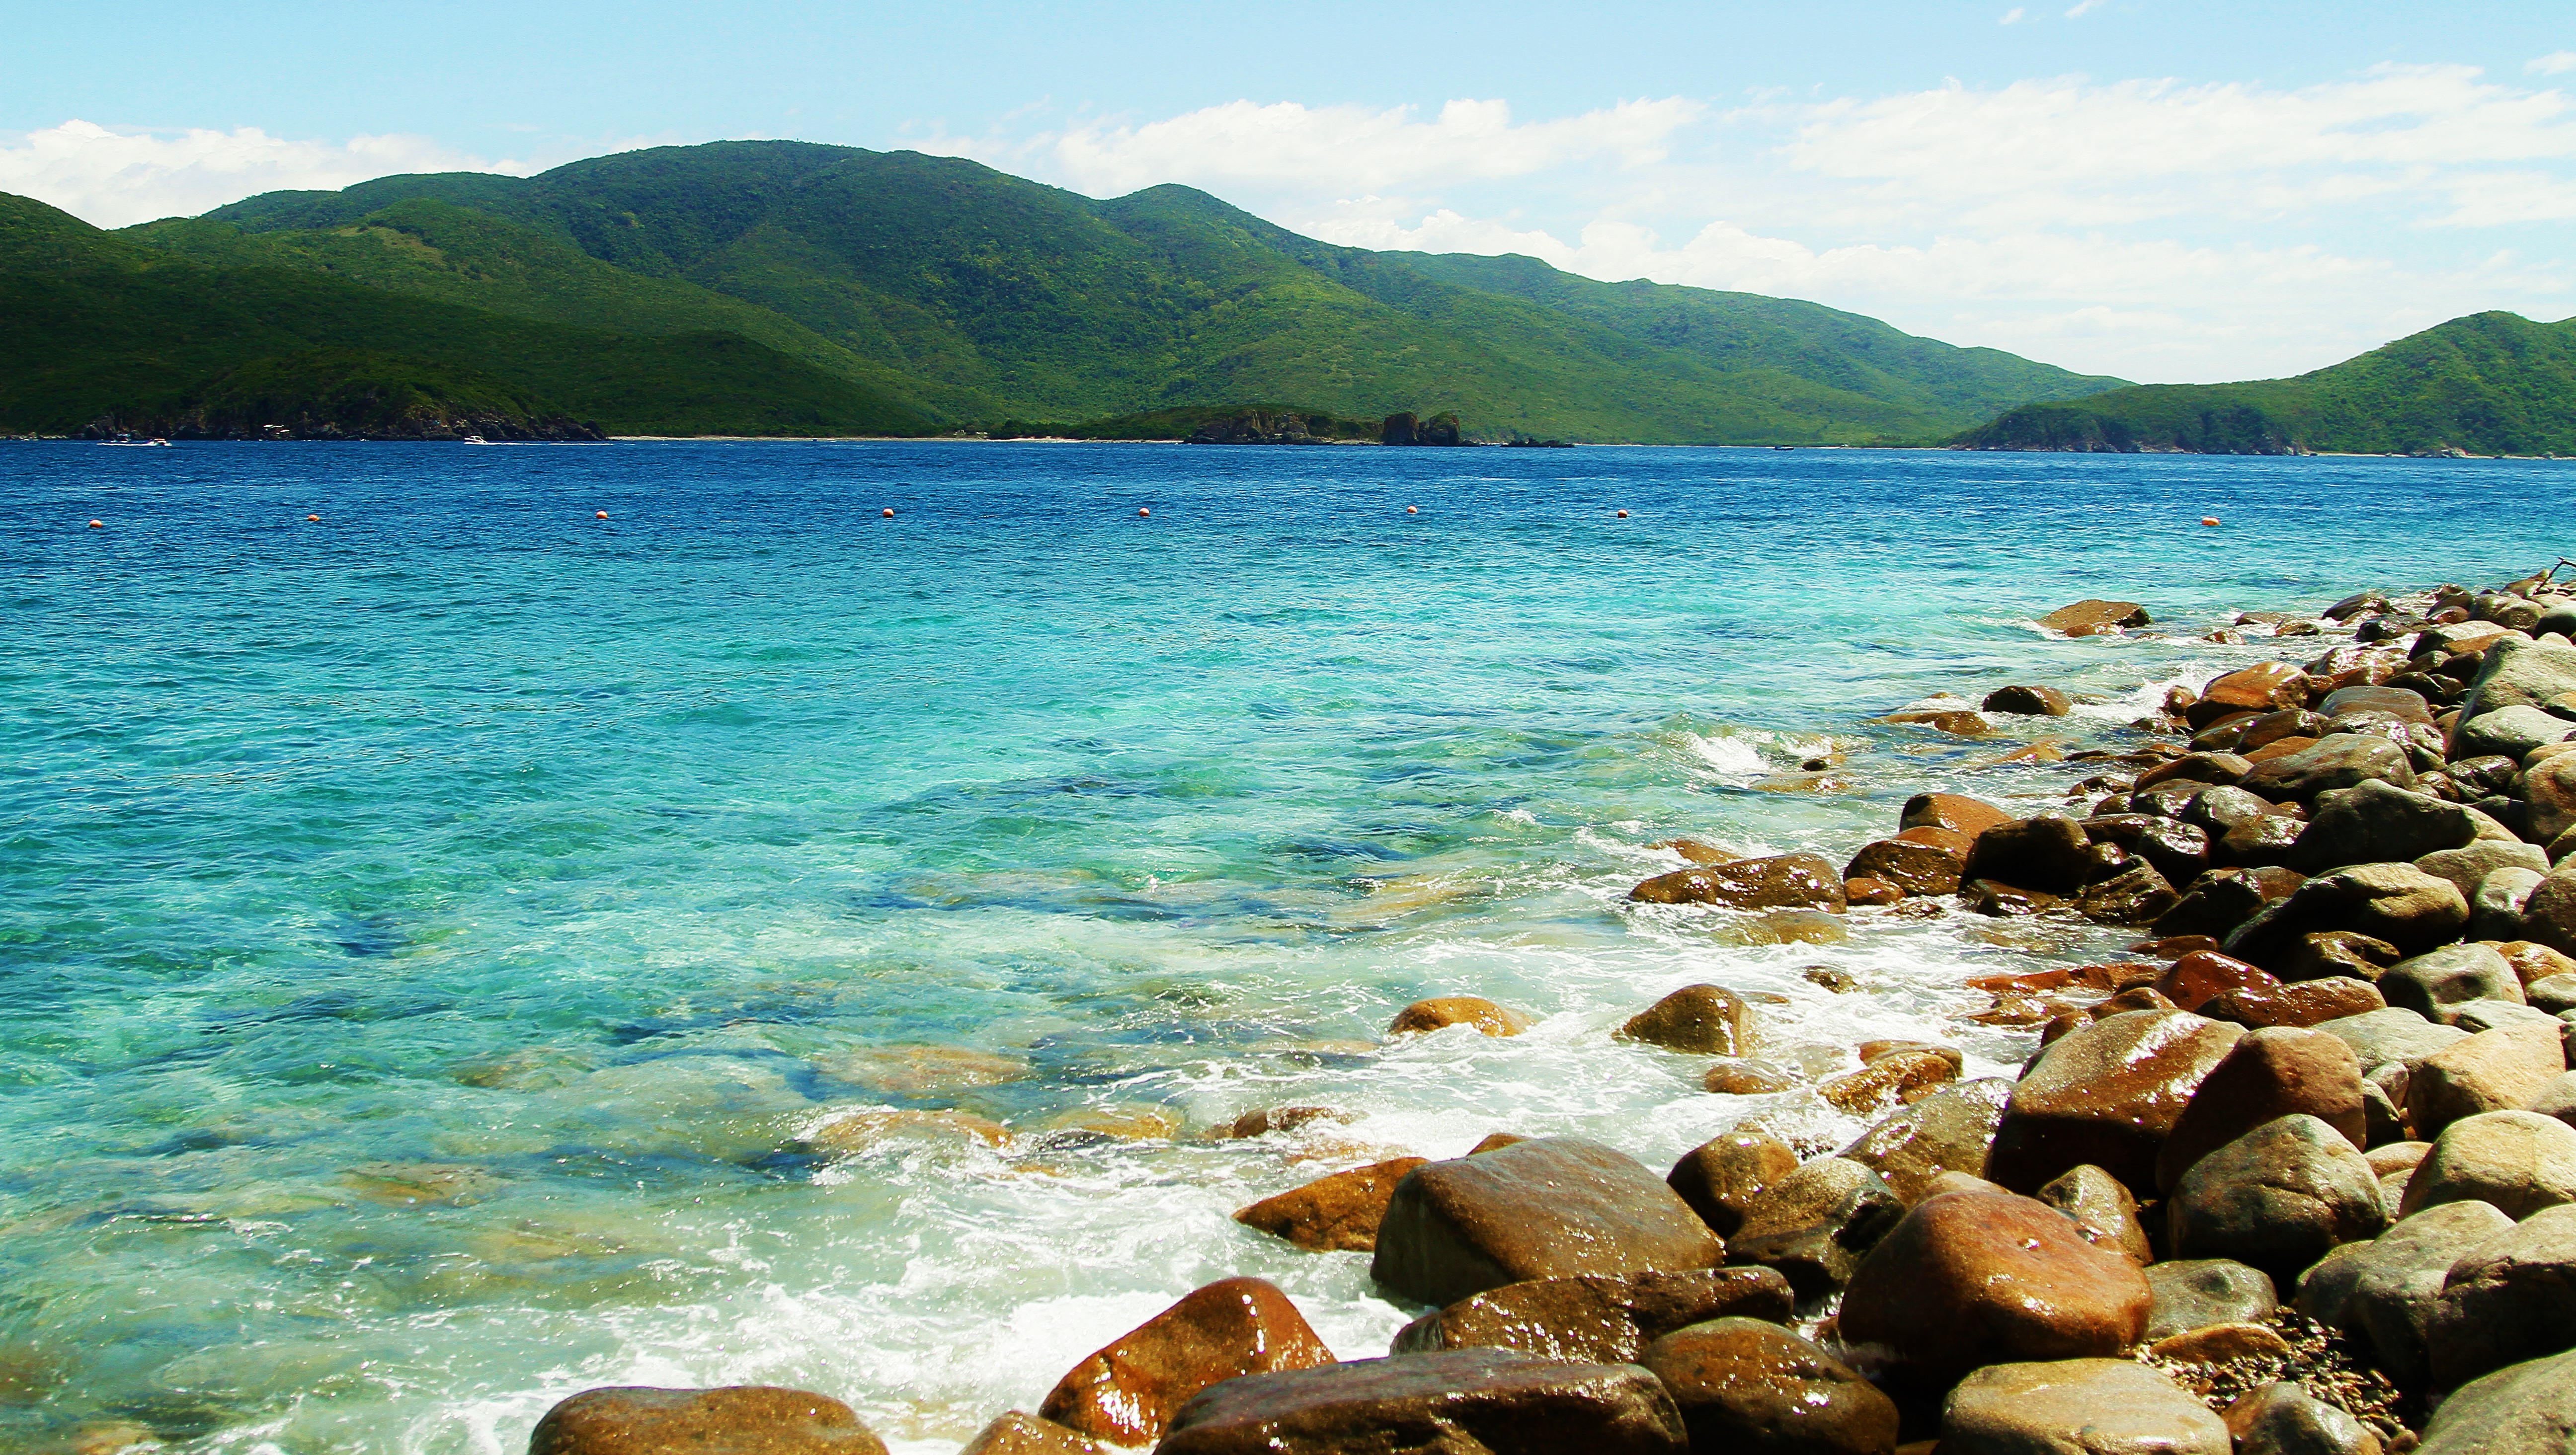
95 326
971 297
2487 384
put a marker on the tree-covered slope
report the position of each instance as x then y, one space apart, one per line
992 297
2489 384
95 325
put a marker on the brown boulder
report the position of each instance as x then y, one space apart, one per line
2135 895
1748 1078
1127 1392
1751 1386
1902 1076
1924 860
1024 1434
2103 1212
1458 1402
2204 975
2106 1094
1720 1177
742 1419
1441 1012
1947 1131
1597 1319
2267 1074
2335 954
2028 702
1551 1207
2049 853
2308 1003
1858 893
1339 1213
2092 614
2262 688
2504 1069
1814 1224
2397 903
2077 1407
1956 812
2221 899
2337 760
1707 1019
1782 881
1970 1279
2532 961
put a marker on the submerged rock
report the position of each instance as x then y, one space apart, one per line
1442 1012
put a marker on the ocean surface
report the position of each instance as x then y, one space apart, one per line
464 950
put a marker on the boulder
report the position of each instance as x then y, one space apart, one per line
1598 1319
2268 1074
2136 895
1128 1391
2526 1409
2077 1407
2179 851
2549 786
1947 1131
2470 864
2358 603
2430 983
2555 994
2504 1069
2264 687
1781 881
2106 1094
2219 900
2308 1003
2520 674
2102 1211
2202 976
1720 1177
1814 1224
2516 1161
2195 1293
2331 954
2508 731
1955 812
1458 1402
2479 1016
2398 903
2278 1198
2384 1291
2508 1299
2376 823
2549 913
2337 760
1903 1076
1746 1385
1016 1433
1339 1213
1706 1019
2265 842
2283 1419
1972 1278
2048 853
2092 614
2028 702
2392 1036
2557 1100
2532 962
2224 770
1749 1078
1918 861
2497 906
1442 1012
1551 1207
742 1419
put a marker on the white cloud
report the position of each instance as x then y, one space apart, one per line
1343 148
2556 63
116 177
2083 8
2014 16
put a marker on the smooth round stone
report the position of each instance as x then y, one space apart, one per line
2078 1407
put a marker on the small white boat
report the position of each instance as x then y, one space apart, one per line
476 439
135 444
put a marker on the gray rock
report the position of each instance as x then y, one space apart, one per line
2528 1409
2393 1036
2103 1211
2398 903
2555 994
2515 1161
2216 810
2338 760
2077 1407
2449 976
2283 1419
2193 1293
2222 899
2279 1198
2549 787
2549 914
2509 1299
2377 823
2384 1292
2479 1016
2557 1100
2497 905
2470 864
2509 731
2519 674
2496 1070
1813 1225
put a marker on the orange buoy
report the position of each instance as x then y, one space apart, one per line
599 515
1623 515
1142 511
98 525
312 517
2209 520
1413 510
888 512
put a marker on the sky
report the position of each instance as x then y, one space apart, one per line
2157 190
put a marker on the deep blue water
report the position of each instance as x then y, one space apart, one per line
451 952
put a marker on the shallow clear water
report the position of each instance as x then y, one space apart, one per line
443 947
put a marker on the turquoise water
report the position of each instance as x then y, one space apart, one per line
464 950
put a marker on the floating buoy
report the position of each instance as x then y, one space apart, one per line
1623 515
599 515
98 525
888 512
1142 511
2209 520
312 517
1413 510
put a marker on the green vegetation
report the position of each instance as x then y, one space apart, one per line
980 299
1191 419
2487 384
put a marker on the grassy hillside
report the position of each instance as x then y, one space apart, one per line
96 325
983 297
2489 384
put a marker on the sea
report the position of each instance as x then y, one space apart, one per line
482 923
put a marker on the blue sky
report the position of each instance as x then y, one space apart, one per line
2151 189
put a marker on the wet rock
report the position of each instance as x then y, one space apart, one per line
1261 1121
2504 1069
2222 1344
2279 1198
2336 954
2398 903
2550 788
1552 1207
2358 603
2549 914
2509 1299
2195 1293
2376 823
2471 863
1749 1078
1745 1385
1814 1224
1903 1076
2527 1409
2509 732
2219 900
2383 701
2338 760
2006 901
1597 1319
2047 853
743 1419
2077 1407
1444 1011
2092 614
2516 1161
2027 702
2102 1210
1782 881
2178 851
2216 810
2105 1095
2216 769
1466 1401
2498 903
1720 1177
2204 975
2264 687
1925 860
2430 983
1016 1433
1336 1213
1972 1278
2136 895
2264 842
1948 1131
2283 1419
1859 893
2268 1074
1705 1019
2520 674
1955 812
1128 1391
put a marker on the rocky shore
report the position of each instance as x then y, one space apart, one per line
2294 1174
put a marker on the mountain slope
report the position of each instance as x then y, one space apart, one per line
93 324
2489 384
994 296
